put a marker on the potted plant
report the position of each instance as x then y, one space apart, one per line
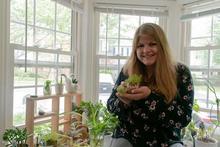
132 82
99 121
204 138
50 139
59 87
47 87
70 83
16 137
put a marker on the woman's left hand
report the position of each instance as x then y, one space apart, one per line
137 93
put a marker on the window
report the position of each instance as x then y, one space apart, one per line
115 38
42 45
203 51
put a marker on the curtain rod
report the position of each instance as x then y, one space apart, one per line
113 5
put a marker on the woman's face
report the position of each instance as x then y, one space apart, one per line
147 50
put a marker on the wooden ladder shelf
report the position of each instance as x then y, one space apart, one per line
55 119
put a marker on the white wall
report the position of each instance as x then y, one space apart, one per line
87 54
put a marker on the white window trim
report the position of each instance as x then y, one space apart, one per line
6 88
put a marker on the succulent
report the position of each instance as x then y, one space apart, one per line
130 83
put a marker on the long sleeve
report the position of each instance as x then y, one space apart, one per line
114 105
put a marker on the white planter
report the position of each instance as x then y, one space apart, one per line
199 143
59 89
71 87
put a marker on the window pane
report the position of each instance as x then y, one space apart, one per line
199 58
44 38
113 25
22 78
215 58
17 10
145 19
199 75
112 47
102 25
216 29
19 56
204 24
106 84
64 58
47 57
17 32
128 29
63 19
63 41
201 42
45 73
20 104
45 13
102 47
125 47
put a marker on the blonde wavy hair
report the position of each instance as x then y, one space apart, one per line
164 76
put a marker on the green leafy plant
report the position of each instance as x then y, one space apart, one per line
99 121
204 133
47 87
132 82
16 136
50 138
73 79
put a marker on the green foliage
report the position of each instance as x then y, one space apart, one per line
196 106
50 138
74 81
134 80
121 89
99 120
131 82
15 135
19 118
47 85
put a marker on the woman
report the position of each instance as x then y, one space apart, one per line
154 113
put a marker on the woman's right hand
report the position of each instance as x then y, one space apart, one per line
136 94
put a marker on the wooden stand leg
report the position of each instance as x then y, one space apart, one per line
67 110
30 121
55 117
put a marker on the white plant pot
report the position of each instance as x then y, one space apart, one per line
71 88
59 89
199 143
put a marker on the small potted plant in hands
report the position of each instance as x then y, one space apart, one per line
47 87
59 87
132 82
16 137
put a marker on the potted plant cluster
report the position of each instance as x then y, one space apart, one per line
16 137
99 121
201 132
204 138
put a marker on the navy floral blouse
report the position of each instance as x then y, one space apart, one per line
151 122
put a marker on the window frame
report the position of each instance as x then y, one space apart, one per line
73 53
